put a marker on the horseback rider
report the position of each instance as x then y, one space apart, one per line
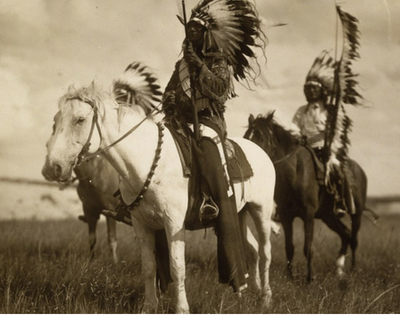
211 80
311 119
194 104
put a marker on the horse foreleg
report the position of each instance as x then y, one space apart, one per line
176 241
287 224
308 243
263 226
92 224
355 226
112 237
146 239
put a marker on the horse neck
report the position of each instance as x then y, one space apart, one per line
285 145
133 156
100 180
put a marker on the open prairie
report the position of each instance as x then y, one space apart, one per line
44 266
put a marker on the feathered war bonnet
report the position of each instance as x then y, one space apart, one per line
322 72
232 26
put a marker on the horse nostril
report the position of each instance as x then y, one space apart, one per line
57 170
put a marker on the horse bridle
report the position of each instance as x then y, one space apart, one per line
86 146
272 143
95 122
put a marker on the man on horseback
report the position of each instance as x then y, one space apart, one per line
194 104
311 120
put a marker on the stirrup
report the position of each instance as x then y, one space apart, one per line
208 209
340 212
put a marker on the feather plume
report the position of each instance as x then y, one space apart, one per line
350 52
138 86
339 124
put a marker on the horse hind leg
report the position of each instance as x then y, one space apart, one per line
355 227
338 226
263 225
251 252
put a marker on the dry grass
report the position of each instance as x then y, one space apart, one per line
44 269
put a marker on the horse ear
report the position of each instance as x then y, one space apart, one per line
251 119
270 115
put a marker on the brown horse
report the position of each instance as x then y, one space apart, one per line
298 193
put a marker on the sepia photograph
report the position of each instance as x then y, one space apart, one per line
200 156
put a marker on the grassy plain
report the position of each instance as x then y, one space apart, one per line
44 269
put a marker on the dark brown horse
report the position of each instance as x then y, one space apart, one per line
298 193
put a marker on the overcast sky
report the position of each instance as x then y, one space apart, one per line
48 44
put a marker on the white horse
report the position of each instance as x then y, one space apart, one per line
145 152
97 179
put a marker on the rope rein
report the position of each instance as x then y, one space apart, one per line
286 156
98 152
157 155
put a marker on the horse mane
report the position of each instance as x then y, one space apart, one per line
97 97
280 135
91 94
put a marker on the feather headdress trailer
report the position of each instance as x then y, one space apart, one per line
344 92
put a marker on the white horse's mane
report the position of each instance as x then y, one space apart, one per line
98 97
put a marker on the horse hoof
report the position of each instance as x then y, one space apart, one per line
266 301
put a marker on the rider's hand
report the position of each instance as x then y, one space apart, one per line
191 57
169 99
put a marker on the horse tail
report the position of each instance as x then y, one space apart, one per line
374 218
275 228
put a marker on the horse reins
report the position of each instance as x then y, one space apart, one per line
283 158
85 148
286 156
155 160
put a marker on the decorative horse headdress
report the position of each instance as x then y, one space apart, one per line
232 26
138 84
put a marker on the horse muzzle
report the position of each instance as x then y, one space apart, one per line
54 171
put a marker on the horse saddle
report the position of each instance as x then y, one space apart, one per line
238 170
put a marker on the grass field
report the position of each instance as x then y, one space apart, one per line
44 269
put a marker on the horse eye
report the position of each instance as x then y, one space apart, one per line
80 120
